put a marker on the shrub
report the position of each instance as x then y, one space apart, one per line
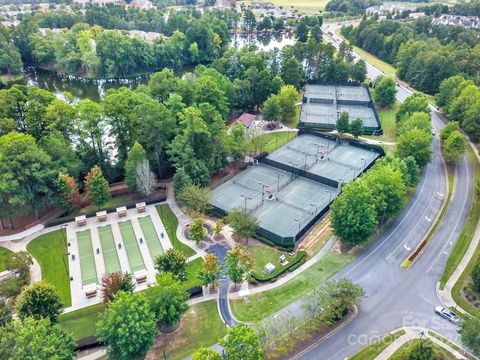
295 262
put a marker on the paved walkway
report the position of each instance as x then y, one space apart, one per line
445 295
23 234
412 333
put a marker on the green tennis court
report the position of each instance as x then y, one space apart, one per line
151 236
131 246
87 261
110 256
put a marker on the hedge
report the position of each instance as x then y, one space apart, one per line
293 264
274 244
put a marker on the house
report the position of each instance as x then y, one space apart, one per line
246 119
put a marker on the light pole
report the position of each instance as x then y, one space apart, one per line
364 163
315 207
354 173
294 165
340 183
299 223
318 150
246 198
330 196
279 175
305 165
263 190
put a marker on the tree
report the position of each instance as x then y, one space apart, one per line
353 214
470 335
168 300
180 180
96 186
217 229
356 128
410 174
39 300
127 327
417 102
195 198
422 350
35 339
161 84
146 180
239 264
419 120
476 276
302 32
136 156
241 342
415 143
115 282
291 70
288 97
243 223
454 147
173 262
206 354
210 273
342 125
384 92
197 231
271 108
20 261
450 127
26 172
449 89
69 197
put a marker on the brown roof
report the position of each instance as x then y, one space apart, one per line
247 119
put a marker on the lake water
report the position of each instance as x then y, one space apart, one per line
95 89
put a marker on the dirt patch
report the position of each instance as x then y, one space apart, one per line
316 237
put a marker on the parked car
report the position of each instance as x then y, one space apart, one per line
433 131
447 314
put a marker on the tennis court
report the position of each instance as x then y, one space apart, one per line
131 246
87 260
109 251
151 236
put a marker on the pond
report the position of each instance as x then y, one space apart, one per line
95 89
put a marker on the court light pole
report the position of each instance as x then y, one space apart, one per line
315 209
354 173
294 165
299 224
364 163
246 199
263 190
279 175
330 196
305 165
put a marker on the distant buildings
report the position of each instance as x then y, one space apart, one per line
468 22
392 8
264 8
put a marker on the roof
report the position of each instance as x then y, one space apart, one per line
247 119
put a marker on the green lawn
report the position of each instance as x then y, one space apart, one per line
201 326
263 255
170 222
381 65
259 306
193 268
404 352
464 240
114 202
269 142
4 254
81 323
372 351
50 251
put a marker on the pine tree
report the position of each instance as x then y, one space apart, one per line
69 197
135 156
97 188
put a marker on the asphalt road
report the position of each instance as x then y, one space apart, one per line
396 297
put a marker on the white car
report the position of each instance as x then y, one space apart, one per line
447 314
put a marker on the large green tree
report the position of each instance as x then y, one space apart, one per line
210 273
241 342
419 120
96 186
195 198
239 264
422 350
416 143
417 102
168 300
454 147
173 262
206 354
243 223
39 300
135 157
35 339
127 327
343 123
354 214
385 91
271 108
27 174
288 98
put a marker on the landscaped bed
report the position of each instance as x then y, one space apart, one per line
404 351
372 351
81 323
170 222
50 251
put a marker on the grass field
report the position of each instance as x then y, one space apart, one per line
193 268
389 124
4 254
170 222
112 203
370 352
262 255
50 251
81 323
463 243
305 6
201 326
404 351
259 306
381 65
